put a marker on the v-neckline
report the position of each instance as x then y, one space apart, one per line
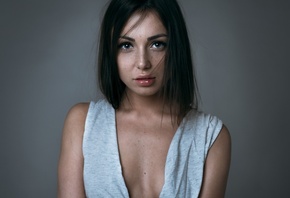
120 175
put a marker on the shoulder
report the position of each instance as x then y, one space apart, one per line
78 110
217 166
224 136
216 131
77 114
222 143
200 117
75 119
207 126
82 113
70 183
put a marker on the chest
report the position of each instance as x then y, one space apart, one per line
143 148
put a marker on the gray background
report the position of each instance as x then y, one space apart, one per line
47 59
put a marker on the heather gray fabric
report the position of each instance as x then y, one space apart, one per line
184 163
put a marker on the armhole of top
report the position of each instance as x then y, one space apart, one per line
216 126
89 116
88 123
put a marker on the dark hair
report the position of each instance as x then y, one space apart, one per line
179 82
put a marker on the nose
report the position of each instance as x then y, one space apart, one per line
143 62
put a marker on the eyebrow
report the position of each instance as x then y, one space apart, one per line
148 39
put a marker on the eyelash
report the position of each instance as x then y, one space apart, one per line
125 45
158 45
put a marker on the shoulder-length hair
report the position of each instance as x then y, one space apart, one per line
179 84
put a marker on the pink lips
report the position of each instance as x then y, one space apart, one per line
145 81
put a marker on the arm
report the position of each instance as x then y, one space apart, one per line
70 167
217 167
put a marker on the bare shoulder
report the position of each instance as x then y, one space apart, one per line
74 124
217 166
77 115
223 140
70 167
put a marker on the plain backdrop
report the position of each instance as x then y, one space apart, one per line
47 64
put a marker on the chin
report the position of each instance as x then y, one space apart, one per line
144 93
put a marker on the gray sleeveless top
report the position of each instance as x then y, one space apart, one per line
184 163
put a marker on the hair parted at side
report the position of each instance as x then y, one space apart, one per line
179 81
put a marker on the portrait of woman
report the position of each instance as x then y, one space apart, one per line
144 98
146 137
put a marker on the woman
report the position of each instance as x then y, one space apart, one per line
146 139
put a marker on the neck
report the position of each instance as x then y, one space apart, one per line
143 104
149 106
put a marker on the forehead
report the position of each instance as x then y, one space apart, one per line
146 23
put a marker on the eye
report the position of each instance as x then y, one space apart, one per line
158 45
125 46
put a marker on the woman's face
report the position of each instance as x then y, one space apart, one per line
141 53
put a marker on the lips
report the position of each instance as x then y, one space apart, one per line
144 81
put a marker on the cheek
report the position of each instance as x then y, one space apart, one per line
121 64
158 61
124 62
124 68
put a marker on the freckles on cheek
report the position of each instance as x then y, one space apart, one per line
124 63
122 66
